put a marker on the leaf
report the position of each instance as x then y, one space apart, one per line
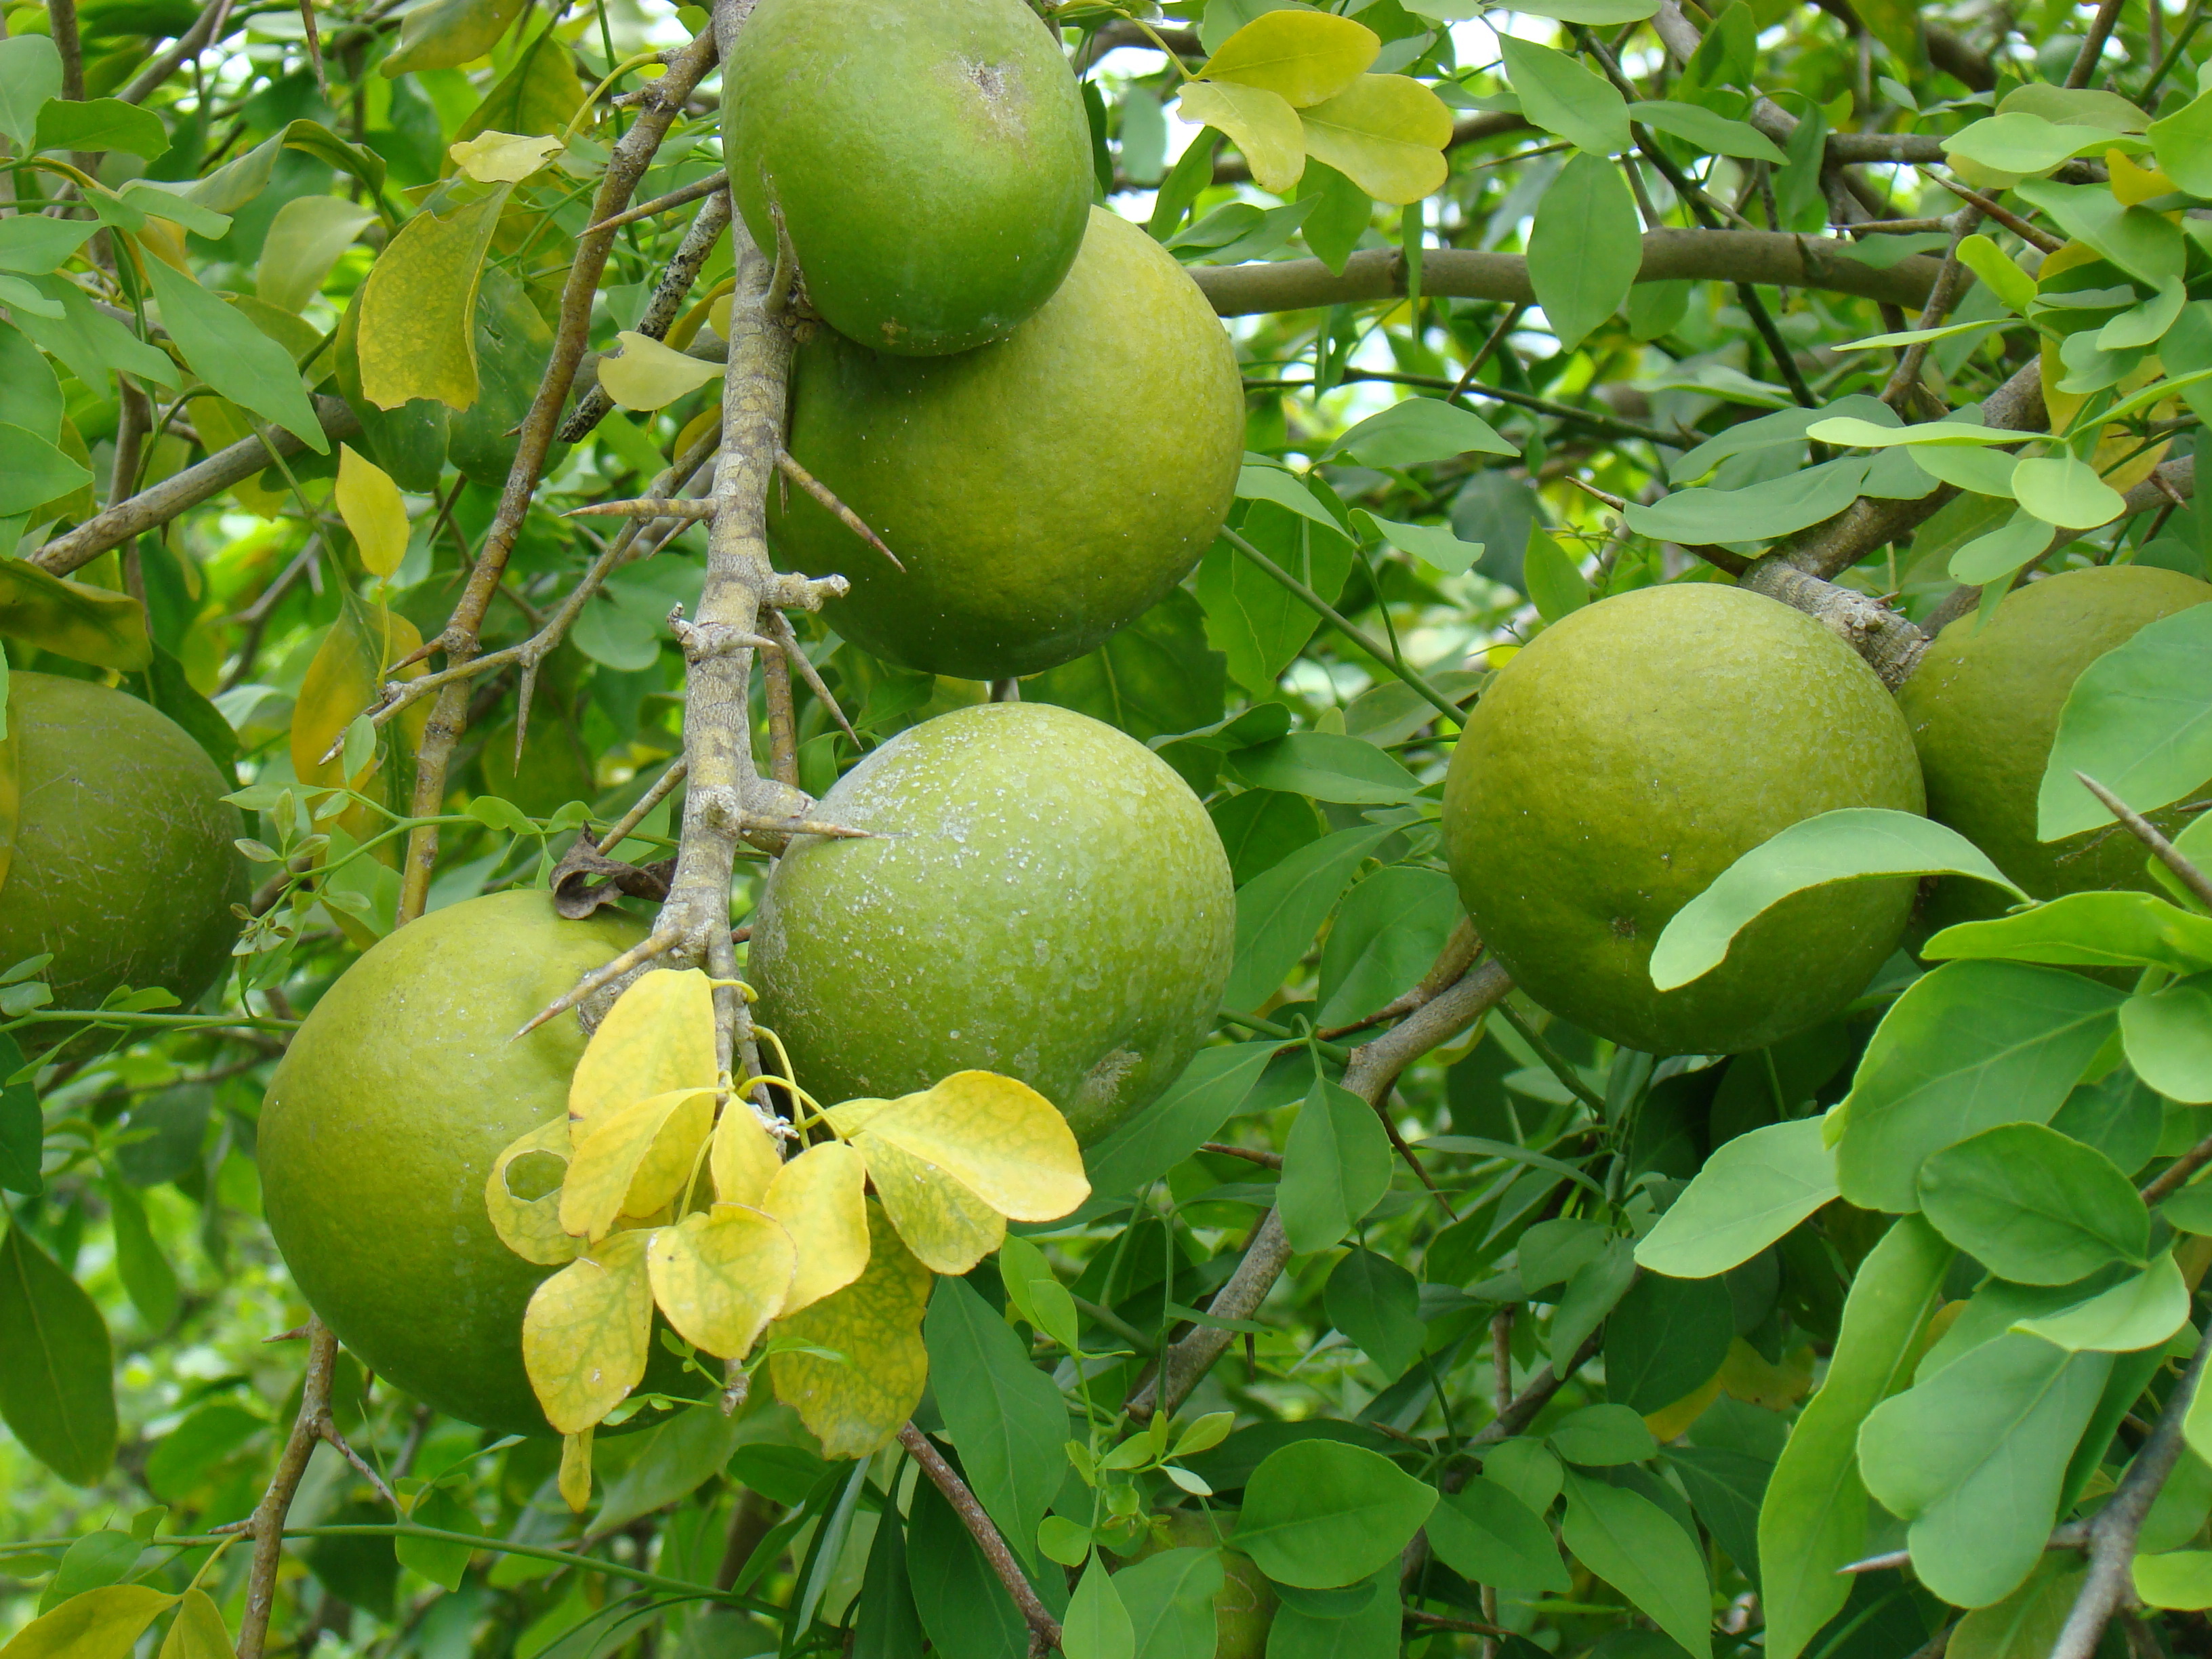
683 1452
855 1404
30 76
198 1631
2139 720
1384 132
33 472
1258 122
100 124
643 373
448 33
743 1159
1603 1437
635 1161
720 1275
1973 1459
1336 1167
1171 1599
1750 1191
1257 624
1327 766
57 1390
658 1037
305 240
1157 676
2143 1311
1593 1292
2181 1579
1385 937
101 1624
1813 1517
1637 1547
1302 56
1711 133
370 504
22 1125
1434 544
1005 1415
995 1136
232 355
1488 1536
1098 1626
1555 580
1320 1513
820 1197
2062 491
1279 911
2181 139
586 1333
945 1224
72 619
418 325
531 1225
37 245
1759 512
437 1560
1725 1487
2096 929
2019 142
342 684
1416 431
1560 95
1378 1304
1668 1338
502 158
574 1482
2034 1205
1586 247
2168 1035
1967 1047
1211 1090
147 1277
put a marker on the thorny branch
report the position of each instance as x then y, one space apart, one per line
267 1526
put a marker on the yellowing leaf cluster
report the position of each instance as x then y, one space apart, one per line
674 1193
1290 84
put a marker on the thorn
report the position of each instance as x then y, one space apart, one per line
806 827
1619 504
328 1431
2162 849
808 672
659 945
296 1334
647 507
852 521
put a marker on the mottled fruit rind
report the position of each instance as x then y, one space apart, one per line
1045 899
1041 492
930 158
380 1126
125 865
1983 706
1632 752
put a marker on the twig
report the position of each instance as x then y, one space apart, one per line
2162 849
1950 282
718 183
194 40
267 1526
2176 1174
2012 222
1458 955
61 21
1044 1629
658 945
1266 1160
668 297
2093 44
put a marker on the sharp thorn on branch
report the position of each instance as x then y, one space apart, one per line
845 515
659 945
647 507
807 672
2162 849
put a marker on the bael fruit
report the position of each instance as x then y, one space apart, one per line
1983 706
1244 1607
1041 492
1045 899
124 866
1588 801
380 1126
930 161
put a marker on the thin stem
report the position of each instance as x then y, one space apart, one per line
2092 48
267 1527
1044 1629
1554 1061
2162 849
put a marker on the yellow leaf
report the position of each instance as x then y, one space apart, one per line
2133 185
198 1631
418 308
70 619
1302 56
998 1137
100 1624
821 1199
855 1405
1258 122
587 1333
343 683
1386 133
659 1035
371 505
531 1226
1748 1376
1669 1421
720 1275
943 1222
634 1161
575 1481
502 158
647 374
744 1158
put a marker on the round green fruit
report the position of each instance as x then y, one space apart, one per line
929 160
1983 706
124 864
1041 492
381 1124
1244 1607
1044 898
1632 752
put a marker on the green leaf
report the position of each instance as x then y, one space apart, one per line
2168 1035
1999 272
1603 1437
232 355
1279 911
1323 1626
2034 1205
34 245
1488 1536
147 1277
1988 559
438 1559
1336 1167
1377 1304
1417 431
1595 13
1005 1415
1758 513
305 240
1587 244
2143 244
57 1390
1320 1513
1211 1090
1386 936
1250 616
1726 1486
1713 134
30 73
2064 492
34 471
1328 766
1153 676
1434 544
1642 1552
961 1602
1665 1340
1967 1047
1169 1597
1873 434
2143 1311
184 1458
22 1127
447 33
1593 1292
2183 143
1386 133
1973 1459
2025 144
1098 1626
1750 1191
1560 95
2139 720
90 342
2095 929
1853 843
2181 1579
100 124
101 1624
1555 583
1813 1518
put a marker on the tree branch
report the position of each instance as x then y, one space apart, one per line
1044 1629
267 1527
668 297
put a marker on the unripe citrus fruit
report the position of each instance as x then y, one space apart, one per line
1244 1607
124 866
1633 751
1041 492
1983 706
381 1124
1045 898
930 161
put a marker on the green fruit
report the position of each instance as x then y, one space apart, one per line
380 1126
1244 1607
513 345
1983 708
1041 492
1046 899
930 158
1631 753
124 864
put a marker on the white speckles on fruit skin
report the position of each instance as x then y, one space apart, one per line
1047 899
